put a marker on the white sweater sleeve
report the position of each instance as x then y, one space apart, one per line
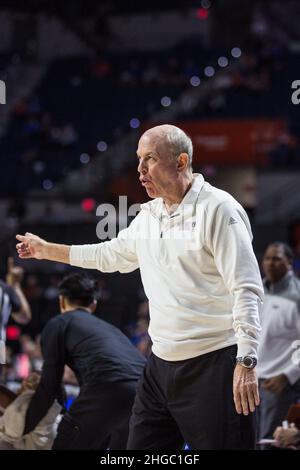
118 254
231 245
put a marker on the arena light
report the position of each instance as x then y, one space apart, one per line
88 204
134 123
84 158
13 332
47 184
236 52
102 146
202 14
209 71
195 80
38 167
166 101
223 61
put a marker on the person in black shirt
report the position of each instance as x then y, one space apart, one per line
107 367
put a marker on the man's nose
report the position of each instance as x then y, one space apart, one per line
142 167
269 264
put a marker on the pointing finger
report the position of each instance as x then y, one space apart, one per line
21 238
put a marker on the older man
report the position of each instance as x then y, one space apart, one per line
192 244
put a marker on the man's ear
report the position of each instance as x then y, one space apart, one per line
62 304
182 161
93 305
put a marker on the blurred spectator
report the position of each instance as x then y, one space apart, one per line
32 349
285 151
131 75
64 136
287 438
12 301
13 420
279 378
138 332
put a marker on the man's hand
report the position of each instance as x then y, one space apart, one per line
31 246
14 274
275 384
245 389
14 278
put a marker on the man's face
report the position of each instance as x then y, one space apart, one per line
156 166
275 263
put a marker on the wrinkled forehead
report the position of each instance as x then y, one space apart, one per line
154 142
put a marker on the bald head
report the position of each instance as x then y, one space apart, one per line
164 155
171 139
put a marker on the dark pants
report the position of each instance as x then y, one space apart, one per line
189 401
98 418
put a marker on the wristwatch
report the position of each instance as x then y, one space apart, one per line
247 361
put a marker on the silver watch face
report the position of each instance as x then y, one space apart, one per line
248 361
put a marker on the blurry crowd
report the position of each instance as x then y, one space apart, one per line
235 85
37 123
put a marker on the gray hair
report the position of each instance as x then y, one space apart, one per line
180 143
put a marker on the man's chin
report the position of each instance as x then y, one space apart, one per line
151 193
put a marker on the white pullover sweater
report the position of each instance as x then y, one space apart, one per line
198 270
